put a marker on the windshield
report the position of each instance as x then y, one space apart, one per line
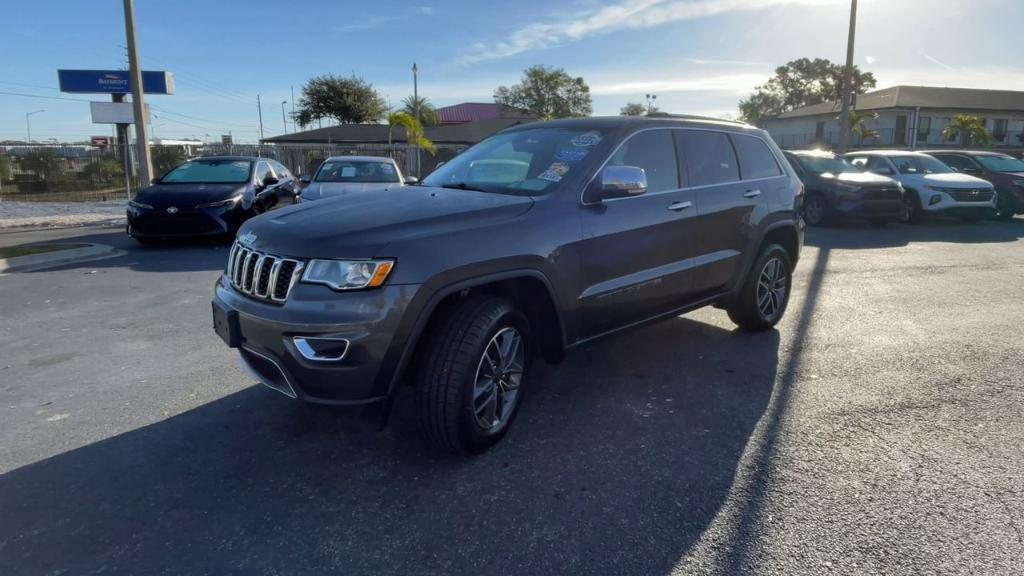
826 164
919 165
357 171
209 172
523 162
1001 163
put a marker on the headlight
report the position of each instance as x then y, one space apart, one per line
946 189
222 203
348 274
135 204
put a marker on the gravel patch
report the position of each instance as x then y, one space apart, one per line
59 214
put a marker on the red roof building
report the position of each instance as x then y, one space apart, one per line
473 111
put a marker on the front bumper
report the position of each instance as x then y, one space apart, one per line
367 320
889 210
159 223
942 202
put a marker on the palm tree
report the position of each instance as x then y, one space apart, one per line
413 130
970 129
428 114
859 126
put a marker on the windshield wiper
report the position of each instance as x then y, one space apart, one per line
464 186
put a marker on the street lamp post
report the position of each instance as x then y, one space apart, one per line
651 99
847 88
283 117
416 111
28 123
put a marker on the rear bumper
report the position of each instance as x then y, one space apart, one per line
158 223
367 321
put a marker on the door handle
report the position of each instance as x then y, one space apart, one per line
680 206
752 193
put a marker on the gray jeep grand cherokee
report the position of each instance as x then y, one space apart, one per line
538 239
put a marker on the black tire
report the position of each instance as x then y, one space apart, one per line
914 213
451 364
816 210
745 311
1005 206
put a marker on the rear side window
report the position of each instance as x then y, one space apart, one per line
958 162
654 151
709 157
756 160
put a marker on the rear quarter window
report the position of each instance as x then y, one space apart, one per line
709 157
756 159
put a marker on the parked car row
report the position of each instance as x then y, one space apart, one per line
898 185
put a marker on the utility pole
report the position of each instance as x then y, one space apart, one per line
259 106
135 74
284 119
847 88
28 123
416 111
293 109
651 98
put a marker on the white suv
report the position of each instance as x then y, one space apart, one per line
931 186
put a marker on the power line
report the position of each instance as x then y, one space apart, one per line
41 97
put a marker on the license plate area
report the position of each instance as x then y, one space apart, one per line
225 324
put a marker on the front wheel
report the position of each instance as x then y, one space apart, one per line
470 383
765 293
1005 206
913 213
816 210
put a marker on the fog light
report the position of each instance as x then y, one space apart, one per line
321 349
935 199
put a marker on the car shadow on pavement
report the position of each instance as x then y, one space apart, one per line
854 235
620 459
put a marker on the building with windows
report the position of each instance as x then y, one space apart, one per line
909 117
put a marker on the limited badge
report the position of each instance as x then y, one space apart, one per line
571 154
586 139
554 172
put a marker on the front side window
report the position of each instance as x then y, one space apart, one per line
356 171
209 172
280 170
655 152
919 165
526 162
709 158
756 160
263 172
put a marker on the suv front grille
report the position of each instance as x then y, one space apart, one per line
260 275
975 195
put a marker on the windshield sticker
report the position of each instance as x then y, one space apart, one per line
571 154
554 172
586 139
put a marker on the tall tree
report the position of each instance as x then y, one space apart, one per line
548 93
428 114
636 109
801 83
859 125
413 130
348 100
971 131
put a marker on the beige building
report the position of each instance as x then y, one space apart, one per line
908 117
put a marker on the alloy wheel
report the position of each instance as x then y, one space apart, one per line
771 288
498 377
814 210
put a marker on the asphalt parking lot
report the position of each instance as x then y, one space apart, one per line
879 430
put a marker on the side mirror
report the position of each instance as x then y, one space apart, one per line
270 181
971 170
305 178
412 180
622 182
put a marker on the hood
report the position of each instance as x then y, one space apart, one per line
317 190
187 195
362 224
952 180
858 178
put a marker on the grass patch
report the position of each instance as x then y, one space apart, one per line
15 251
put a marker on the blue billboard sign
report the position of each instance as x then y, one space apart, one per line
113 81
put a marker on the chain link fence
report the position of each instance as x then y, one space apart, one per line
84 173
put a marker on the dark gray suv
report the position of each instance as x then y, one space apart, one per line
534 241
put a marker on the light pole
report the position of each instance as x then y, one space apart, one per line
135 73
651 98
283 118
28 123
847 88
259 106
416 110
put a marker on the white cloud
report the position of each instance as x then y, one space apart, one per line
727 62
367 23
624 14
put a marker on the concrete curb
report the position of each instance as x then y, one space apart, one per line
58 258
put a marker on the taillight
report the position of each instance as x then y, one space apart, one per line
801 192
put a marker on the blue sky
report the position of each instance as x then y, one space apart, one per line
698 56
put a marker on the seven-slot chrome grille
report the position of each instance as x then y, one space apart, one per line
260 275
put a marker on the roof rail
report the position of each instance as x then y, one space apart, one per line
692 117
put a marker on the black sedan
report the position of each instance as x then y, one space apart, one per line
210 196
836 188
